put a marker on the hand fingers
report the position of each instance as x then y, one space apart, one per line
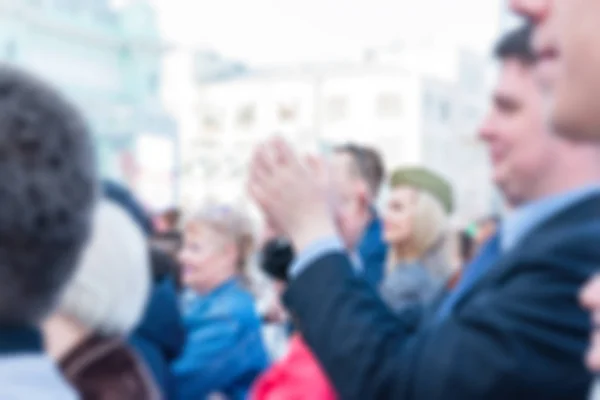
316 165
263 181
284 154
262 160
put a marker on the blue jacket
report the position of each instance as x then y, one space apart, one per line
160 337
373 251
224 352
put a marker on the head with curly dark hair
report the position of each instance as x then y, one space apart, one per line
48 186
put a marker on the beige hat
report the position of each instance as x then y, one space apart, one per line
109 290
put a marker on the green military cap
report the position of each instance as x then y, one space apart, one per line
424 179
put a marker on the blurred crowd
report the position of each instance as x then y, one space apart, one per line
102 300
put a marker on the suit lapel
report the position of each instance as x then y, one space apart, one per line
580 212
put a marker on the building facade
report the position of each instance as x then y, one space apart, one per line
411 117
108 61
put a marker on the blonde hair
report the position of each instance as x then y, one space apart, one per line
428 239
231 222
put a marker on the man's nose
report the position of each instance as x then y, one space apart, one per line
533 10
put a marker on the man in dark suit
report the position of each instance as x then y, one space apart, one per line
515 331
567 43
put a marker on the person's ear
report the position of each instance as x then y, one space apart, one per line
364 196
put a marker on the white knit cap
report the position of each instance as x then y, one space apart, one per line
109 290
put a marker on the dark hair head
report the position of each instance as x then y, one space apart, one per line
467 246
516 44
172 217
276 258
48 186
367 164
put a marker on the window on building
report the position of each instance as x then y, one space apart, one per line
246 116
211 122
337 108
389 105
444 110
287 113
153 84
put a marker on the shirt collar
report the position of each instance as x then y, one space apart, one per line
525 218
356 262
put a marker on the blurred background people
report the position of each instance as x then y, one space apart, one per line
356 175
275 258
167 235
48 185
416 230
160 336
485 229
168 221
273 254
298 374
475 235
103 303
466 246
224 351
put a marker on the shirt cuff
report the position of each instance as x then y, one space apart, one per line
313 252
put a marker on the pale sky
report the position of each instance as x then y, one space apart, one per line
287 31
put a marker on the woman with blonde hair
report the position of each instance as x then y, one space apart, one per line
416 230
224 351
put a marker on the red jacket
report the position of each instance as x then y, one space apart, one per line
298 376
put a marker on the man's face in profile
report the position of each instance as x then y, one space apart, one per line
348 198
567 44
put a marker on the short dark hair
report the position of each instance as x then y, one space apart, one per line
367 163
516 44
172 217
48 186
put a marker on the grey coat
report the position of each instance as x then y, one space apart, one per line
409 284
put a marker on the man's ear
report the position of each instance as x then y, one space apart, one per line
364 195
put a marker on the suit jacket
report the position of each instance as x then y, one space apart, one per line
373 251
519 333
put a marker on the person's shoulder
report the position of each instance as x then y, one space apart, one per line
109 365
561 257
98 356
577 240
236 302
46 379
